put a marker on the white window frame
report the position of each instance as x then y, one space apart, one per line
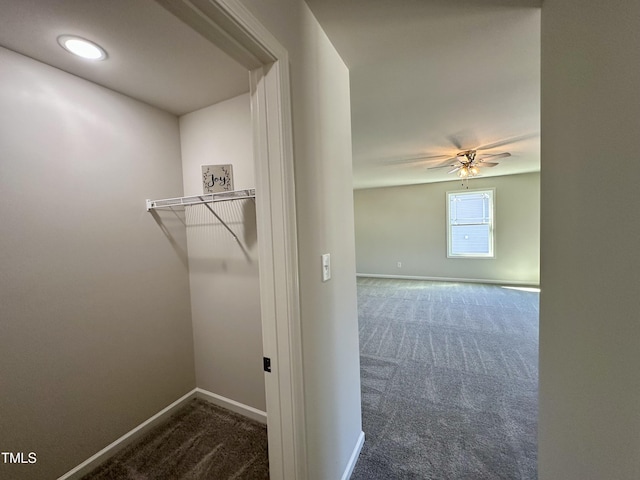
491 193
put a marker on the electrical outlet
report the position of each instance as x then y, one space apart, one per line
399 264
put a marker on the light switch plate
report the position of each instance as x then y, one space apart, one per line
326 267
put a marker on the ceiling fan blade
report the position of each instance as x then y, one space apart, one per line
446 163
454 170
487 164
412 159
494 156
443 166
507 141
455 141
463 140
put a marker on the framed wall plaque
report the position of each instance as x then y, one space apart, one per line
217 178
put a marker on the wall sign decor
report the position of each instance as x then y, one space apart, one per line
217 178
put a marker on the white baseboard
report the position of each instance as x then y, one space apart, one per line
450 279
128 438
354 458
242 409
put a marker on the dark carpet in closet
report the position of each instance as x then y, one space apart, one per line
200 442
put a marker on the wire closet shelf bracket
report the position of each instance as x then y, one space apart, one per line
205 200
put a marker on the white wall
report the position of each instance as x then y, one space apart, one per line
324 202
589 424
225 290
408 224
218 134
95 330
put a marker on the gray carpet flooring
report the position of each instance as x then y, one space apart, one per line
200 442
449 381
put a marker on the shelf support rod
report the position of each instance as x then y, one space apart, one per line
220 220
229 229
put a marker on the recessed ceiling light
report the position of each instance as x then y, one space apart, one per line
82 47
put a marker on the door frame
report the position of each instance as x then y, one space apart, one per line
233 29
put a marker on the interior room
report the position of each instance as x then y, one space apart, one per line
402 232
448 355
449 345
104 303
585 386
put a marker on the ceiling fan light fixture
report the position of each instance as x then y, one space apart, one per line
82 47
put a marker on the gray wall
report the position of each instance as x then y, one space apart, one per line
589 425
408 224
324 202
95 329
225 288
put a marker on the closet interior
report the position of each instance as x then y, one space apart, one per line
120 303
223 255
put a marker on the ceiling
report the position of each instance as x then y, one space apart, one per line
428 77
153 56
433 77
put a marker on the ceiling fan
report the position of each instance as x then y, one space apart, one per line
467 158
468 162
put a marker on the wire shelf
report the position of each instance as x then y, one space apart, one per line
201 199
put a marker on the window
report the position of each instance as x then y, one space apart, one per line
470 224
